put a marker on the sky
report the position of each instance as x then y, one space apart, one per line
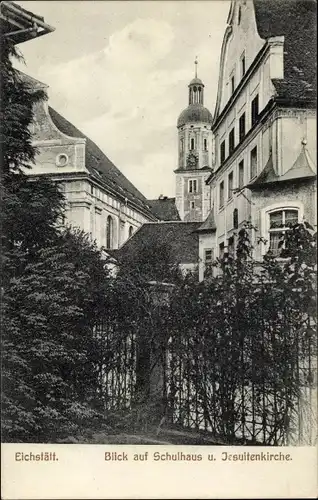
119 71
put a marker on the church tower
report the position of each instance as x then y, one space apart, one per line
194 155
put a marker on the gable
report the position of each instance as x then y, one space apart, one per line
241 38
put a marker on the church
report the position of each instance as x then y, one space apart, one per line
100 200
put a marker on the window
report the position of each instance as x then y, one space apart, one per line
243 68
230 186
130 231
221 250
109 232
193 186
222 152
208 260
92 189
231 248
241 174
208 256
232 84
205 144
61 160
231 141
254 110
242 127
235 218
279 222
254 162
221 194
181 145
192 143
192 205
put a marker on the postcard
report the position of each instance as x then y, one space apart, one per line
159 249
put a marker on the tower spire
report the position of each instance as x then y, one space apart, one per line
196 66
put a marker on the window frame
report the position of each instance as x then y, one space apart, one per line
222 156
241 120
230 185
265 219
254 114
241 184
231 140
251 152
109 232
221 201
191 184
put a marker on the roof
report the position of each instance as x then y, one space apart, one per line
209 224
100 166
164 208
194 113
296 21
181 236
196 81
20 25
303 168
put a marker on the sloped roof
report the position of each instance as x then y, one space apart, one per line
209 224
164 208
267 175
296 21
303 168
181 236
100 166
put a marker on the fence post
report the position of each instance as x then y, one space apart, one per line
152 352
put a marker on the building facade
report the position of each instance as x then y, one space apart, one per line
264 127
195 146
100 200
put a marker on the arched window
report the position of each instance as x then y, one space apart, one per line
205 144
109 232
130 231
192 143
279 222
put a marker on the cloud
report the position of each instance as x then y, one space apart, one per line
127 95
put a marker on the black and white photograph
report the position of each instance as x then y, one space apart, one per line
159 223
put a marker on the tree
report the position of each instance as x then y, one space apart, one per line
17 100
54 288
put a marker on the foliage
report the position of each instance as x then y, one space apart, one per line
155 262
50 352
16 113
230 355
54 286
242 340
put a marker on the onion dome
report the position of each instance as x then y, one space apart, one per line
194 113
